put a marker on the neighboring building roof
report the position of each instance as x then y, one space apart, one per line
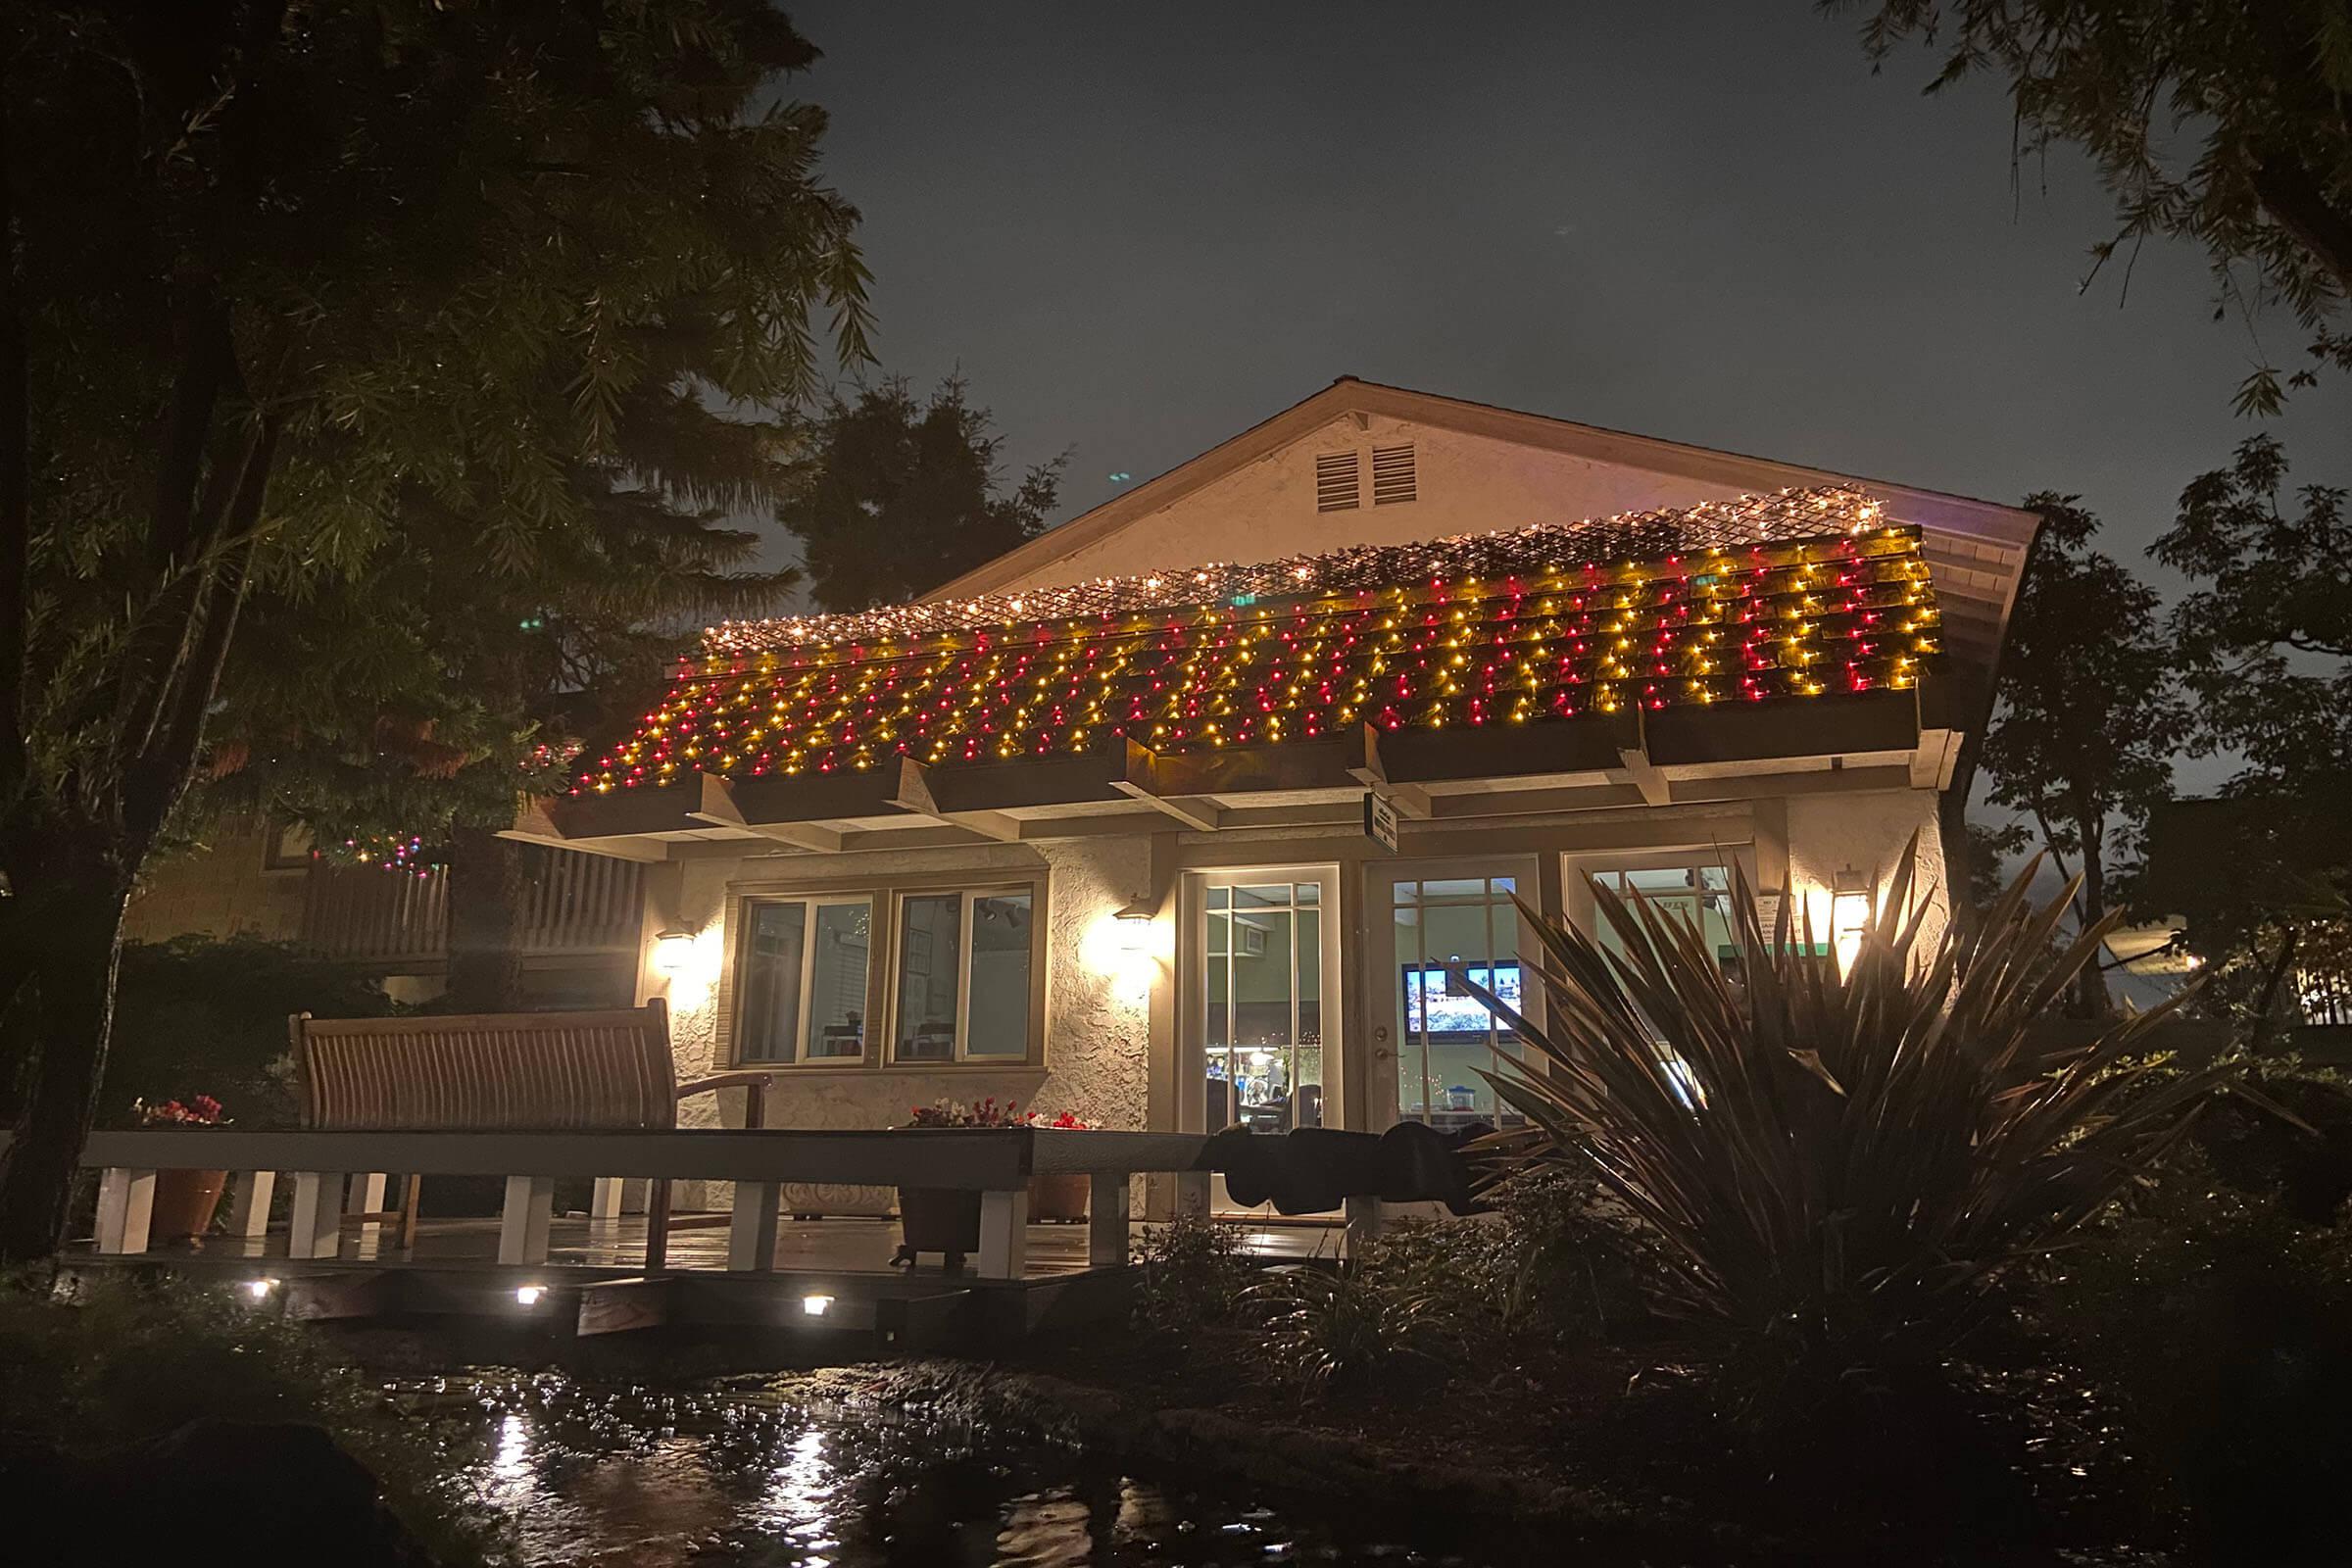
1755 599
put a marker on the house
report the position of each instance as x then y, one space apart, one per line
1176 816
255 877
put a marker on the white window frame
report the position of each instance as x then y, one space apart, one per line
895 990
801 1058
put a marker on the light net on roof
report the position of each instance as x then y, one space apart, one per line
1762 598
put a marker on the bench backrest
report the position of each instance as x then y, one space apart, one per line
488 1072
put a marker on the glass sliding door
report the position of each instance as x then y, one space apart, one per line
1263 1011
1448 929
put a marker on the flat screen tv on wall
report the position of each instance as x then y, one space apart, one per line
1437 1002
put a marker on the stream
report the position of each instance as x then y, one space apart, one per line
647 1478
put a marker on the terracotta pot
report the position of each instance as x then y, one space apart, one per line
1059 1199
185 1200
937 1219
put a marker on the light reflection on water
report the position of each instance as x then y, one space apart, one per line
614 1477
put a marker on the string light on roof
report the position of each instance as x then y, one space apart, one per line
1731 596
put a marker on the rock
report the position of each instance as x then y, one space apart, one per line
256 1492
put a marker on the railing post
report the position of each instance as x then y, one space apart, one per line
249 1197
523 1227
1004 1233
364 1199
125 1205
316 1228
752 1231
1107 1220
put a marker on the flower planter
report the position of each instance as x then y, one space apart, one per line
185 1200
1059 1199
937 1219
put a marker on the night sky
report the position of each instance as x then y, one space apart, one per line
1138 230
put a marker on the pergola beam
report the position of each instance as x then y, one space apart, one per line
1410 799
915 795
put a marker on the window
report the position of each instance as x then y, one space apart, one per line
1447 1040
803 979
1264 1014
964 990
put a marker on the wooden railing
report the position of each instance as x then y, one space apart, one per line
996 1163
576 904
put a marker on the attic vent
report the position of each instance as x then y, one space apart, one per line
1335 482
1393 475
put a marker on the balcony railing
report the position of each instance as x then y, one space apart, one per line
574 905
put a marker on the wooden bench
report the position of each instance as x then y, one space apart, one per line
605 1071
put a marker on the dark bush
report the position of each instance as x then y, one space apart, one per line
2215 1319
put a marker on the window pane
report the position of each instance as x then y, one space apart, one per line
1307 892
837 983
999 1010
1275 895
1220 897
929 933
1455 887
771 981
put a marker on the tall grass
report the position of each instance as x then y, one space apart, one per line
1839 1167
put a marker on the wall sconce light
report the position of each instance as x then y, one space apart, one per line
1135 927
673 950
1849 916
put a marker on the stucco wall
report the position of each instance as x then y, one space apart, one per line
1466 484
1867 831
1098 997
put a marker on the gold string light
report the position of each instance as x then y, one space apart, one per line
1791 595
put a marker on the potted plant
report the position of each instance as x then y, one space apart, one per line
1060 1196
184 1199
946 1219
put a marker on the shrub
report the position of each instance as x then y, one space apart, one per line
1193 1273
2215 1320
129 1360
194 1016
1326 1331
1838 1167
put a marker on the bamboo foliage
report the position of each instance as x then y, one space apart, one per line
1842 1163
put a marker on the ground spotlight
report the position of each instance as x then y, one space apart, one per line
529 1295
259 1289
816 1305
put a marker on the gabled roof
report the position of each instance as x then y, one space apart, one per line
1975 549
1753 600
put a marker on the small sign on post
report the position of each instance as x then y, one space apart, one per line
1380 820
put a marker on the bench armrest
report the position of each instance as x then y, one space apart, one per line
755 1110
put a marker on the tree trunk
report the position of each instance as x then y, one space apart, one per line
489 890
2091 984
64 1017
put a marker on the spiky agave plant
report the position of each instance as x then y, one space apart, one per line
1839 1165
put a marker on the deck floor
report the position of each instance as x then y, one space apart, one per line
842 1246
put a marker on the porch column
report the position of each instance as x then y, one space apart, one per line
1003 1234
1107 1220
522 1225
752 1231
126 1203
249 1197
604 1201
1365 1221
316 1228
